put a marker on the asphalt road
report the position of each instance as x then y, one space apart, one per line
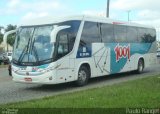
14 92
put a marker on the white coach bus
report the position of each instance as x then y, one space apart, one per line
53 51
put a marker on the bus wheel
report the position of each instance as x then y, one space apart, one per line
140 66
83 76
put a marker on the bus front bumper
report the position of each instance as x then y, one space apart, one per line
46 78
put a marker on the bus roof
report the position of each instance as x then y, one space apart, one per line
52 20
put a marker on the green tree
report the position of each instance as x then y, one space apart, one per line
1 35
11 38
10 27
1 38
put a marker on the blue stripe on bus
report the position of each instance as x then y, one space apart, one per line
135 48
84 52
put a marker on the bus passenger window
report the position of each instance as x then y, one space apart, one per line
132 34
152 34
141 35
90 33
120 33
107 33
63 47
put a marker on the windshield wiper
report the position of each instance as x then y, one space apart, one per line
35 51
22 54
25 50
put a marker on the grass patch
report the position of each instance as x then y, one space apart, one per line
138 93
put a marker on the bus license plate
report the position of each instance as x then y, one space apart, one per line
28 79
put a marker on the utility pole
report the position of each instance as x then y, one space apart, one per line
107 12
128 12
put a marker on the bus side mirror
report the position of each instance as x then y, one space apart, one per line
6 35
55 31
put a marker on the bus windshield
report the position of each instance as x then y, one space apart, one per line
34 45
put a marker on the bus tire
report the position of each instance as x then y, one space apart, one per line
83 76
140 66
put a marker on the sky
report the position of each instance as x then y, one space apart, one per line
140 11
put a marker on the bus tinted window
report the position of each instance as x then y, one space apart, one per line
120 33
107 33
72 32
132 34
146 35
150 36
141 34
90 33
66 38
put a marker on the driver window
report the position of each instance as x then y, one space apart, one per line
63 47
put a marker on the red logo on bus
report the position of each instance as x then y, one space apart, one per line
122 52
